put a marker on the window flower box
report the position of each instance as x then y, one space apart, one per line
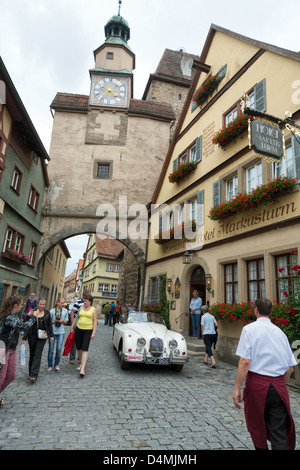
231 131
177 231
182 170
206 89
246 201
16 256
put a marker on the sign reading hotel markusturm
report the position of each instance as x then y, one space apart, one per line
266 139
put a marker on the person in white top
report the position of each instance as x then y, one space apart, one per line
266 362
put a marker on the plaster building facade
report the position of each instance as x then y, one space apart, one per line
55 263
235 258
24 177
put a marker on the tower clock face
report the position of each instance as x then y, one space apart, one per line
109 91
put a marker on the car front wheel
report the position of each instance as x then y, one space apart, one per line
124 365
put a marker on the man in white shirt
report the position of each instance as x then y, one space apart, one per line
266 362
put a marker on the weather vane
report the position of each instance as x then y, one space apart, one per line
120 3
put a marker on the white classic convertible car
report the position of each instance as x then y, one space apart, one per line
144 338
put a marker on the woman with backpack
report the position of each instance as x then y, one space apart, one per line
10 326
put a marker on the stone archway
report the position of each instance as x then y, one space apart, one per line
71 229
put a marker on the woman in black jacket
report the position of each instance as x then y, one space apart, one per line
37 336
10 327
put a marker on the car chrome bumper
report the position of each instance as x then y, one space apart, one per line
149 359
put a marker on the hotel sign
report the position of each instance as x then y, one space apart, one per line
266 139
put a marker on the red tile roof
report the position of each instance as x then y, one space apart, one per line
72 102
109 248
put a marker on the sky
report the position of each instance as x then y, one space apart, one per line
47 45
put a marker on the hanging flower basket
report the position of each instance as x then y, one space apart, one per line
177 231
206 89
16 256
232 130
245 201
182 170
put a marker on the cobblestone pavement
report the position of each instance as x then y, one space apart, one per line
145 408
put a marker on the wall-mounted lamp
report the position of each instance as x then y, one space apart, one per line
169 283
177 288
186 259
208 278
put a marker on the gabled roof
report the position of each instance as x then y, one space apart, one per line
174 67
262 46
80 103
20 115
109 248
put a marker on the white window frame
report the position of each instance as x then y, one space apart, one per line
231 188
229 117
257 177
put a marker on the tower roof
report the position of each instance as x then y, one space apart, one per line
117 27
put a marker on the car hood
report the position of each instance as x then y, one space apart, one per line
150 330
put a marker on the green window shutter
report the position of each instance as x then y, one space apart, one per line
260 97
296 153
222 72
216 193
200 207
199 149
175 164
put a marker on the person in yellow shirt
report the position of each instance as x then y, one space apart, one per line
85 331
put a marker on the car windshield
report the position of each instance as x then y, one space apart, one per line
138 317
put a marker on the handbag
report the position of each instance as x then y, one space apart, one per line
42 334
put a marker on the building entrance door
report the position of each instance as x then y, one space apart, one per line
197 282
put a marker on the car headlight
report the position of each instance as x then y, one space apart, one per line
173 344
141 342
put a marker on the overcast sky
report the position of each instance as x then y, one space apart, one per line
47 45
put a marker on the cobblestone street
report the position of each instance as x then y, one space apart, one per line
145 408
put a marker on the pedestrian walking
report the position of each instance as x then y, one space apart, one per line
195 308
106 309
85 331
111 314
266 363
10 326
131 308
208 329
74 318
37 336
59 317
118 312
31 304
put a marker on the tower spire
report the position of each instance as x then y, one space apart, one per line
119 11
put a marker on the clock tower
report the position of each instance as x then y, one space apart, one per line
112 77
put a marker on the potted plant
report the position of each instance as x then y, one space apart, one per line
246 201
206 89
181 171
231 131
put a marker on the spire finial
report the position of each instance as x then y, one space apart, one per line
120 3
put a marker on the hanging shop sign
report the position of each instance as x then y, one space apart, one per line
266 139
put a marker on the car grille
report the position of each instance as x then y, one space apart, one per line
156 347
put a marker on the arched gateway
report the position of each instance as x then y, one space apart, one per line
105 147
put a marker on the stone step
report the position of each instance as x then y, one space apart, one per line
195 347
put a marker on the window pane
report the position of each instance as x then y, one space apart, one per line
103 171
229 298
253 291
229 273
252 270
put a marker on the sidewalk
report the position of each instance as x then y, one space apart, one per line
144 408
